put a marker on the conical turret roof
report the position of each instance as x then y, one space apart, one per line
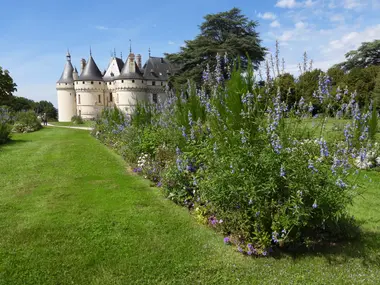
91 72
67 74
130 69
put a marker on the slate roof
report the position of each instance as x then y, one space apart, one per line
126 74
91 72
67 74
120 65
157 68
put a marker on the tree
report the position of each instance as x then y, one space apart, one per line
308 84
287 85
376 91
228 33
48 108
7 86
366 55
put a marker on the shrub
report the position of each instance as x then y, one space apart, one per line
6 121
26 122
264 173
77 119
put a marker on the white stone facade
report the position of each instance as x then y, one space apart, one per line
121 85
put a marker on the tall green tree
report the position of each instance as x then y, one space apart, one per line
48 108
229 33
366 55
7 86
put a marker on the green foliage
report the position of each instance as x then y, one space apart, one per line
7 86
48 108
77 119
229 33
6 122
26 122
366 55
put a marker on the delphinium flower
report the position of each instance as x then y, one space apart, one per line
243 138
183 129
282 171
323 148
274 237
340 183
314 205
206 74
179 163
218 69
275 142
239 249
338 95
311 166
232 169
190 117
226 240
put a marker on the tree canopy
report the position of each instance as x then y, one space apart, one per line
229 34
7 86
366 55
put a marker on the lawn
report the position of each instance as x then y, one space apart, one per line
71 124
71 214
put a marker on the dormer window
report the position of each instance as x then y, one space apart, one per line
153 83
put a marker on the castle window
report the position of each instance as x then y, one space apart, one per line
162 83
142 81
80 112
110 97
122 81
133 81
153 83
99 99
154 98
83 82
92 82
100 83
65 83
78 98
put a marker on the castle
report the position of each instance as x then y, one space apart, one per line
121 85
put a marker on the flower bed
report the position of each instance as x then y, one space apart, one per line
264 173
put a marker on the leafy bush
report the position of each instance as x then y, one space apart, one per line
6 121
265 173
26 122
77 119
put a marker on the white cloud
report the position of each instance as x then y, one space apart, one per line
267 16
287 4
353 40
171 43
300 25
310 3
352 4
337 18
101 28
275 24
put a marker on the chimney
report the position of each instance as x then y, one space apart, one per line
138 60
162 60
82 64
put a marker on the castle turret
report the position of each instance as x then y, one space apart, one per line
130 85
90 90
66 92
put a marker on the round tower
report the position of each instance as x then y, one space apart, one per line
130 85
66 93
89 88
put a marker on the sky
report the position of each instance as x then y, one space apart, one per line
35 35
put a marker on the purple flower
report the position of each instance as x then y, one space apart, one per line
315 205
265 253
159 184
240 249
226 240
282 171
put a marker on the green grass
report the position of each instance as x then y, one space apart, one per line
70 214
70 124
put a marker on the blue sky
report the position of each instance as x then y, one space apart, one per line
34 35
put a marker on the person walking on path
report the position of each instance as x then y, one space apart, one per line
44 119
